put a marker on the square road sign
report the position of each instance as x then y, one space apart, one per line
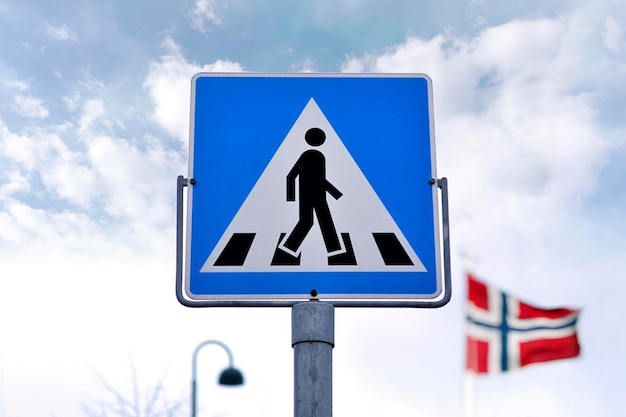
312 186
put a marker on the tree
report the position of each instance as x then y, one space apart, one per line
134 402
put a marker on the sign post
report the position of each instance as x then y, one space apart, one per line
313 339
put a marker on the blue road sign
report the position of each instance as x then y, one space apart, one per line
312 185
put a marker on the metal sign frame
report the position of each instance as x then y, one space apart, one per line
345 298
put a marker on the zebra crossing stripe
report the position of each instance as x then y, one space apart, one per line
391 249
236 250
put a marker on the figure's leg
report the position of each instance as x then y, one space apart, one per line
297 235
329 233
282 257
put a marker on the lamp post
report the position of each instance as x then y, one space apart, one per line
229 376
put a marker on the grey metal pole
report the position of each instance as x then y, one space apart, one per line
313 339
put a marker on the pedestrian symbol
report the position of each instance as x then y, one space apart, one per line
310 170
323 213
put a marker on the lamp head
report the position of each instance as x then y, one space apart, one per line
231 376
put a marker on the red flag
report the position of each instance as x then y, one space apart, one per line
505 333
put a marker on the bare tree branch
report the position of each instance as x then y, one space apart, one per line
122 403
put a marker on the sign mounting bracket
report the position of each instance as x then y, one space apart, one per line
183 182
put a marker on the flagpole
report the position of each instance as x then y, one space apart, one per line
469 378
469 406
468 394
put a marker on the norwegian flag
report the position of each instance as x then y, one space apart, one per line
505 333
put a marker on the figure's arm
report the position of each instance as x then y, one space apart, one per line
291 182
332 190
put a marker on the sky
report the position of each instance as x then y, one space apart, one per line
529 98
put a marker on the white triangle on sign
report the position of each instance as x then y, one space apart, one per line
267 214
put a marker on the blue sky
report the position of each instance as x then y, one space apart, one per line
529 99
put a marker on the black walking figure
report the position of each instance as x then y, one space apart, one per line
310 169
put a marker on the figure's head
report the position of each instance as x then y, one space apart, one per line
315 136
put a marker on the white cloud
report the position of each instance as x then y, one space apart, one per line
31 107
17 84
115 180
92 110
134 181
32 152
613 35
51 235
169 85
12 181
203 15
305 65
60 33
43 151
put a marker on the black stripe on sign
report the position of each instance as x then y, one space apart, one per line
391 250
236 250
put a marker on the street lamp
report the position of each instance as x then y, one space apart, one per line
230 376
